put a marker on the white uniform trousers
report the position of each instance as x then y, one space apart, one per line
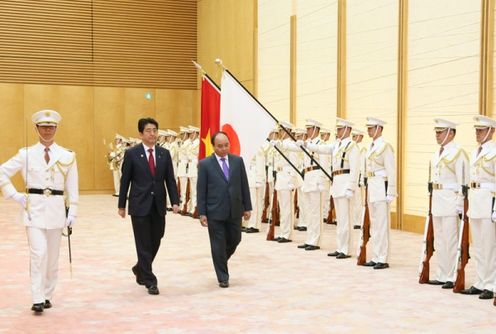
379 230
312 216
343 228
285 198
484 252
446 245
271 197
117 181
256 197
326 203
184 185
44 247
192 194
356 208
300 221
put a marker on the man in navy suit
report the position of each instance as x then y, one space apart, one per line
148 169
223 198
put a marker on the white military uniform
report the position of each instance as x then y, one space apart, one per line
182 167
256 181
193 151
357 199
481 207
44 215
447 168
381 171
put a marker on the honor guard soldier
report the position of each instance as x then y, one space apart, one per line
357 200
194 150
325 162
161 138
51 178
114 159
256 180
481 208
285 183
449 171
381 179
299 134
270 154
311 208
173 148
182 166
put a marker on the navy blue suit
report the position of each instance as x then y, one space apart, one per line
223 201
147 203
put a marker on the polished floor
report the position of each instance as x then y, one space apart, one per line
275 288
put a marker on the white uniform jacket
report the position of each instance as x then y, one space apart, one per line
447 177
313 176
482 182
381 167
192 152
346 167
183 159
45 211
286 175
256 170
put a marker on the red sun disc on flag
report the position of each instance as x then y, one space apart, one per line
233 139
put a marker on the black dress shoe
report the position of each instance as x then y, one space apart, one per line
243 229
311 247
302 228
435 282
135 272
283 240
47 304
471 291
252 230
224 284
333 222
357 227
276 239
369 264
37 308
153 290
335 253
342 256
303 246
380 265
486 294
448 285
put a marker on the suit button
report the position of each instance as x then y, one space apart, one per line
153 193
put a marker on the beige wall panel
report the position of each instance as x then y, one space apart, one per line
136 106
225 30
108 120
444 42
177 108
14 126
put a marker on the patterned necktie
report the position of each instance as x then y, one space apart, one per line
47 156
225 168
151 161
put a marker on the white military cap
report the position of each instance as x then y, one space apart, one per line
193 128
356 132
310 123
287 125
482 122
372 121
443 124
342 123
325 130
162 132
118 136
172 133
46 117
299 131
183 129
275 130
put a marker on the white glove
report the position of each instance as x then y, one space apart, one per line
459 209
348 193
300 143
70 221
291 186
273 142
258 184
389 198
20 198
493 216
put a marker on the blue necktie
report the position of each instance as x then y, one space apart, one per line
225 168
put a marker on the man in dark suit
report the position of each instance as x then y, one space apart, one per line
147 167
223 198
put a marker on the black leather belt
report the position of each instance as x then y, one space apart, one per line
46 191
311 168
341 171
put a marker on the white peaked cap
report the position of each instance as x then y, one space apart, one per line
183 129
163 133
300 131
118 136
342 123
46 117
372 121
482 122
172 133
442 124
325 130
287 125
193 128
310 123
356 132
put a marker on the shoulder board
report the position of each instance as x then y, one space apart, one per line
490 156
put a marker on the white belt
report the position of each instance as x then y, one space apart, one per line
483 185
446 186
379 172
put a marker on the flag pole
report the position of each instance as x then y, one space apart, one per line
219 62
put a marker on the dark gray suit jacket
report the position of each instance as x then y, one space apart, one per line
146 188
218 198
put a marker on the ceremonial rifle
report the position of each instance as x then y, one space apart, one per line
362 256
462 254
428 242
